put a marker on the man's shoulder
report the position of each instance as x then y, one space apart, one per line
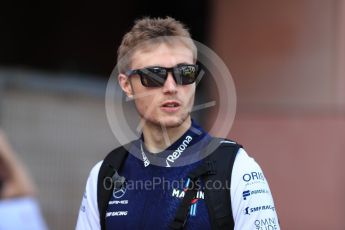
245 161
223 146
224 141
246 172
95 170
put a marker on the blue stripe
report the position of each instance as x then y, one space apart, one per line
187 183
193 213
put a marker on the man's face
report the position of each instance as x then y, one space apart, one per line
169 105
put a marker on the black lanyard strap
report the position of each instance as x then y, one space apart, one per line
182 213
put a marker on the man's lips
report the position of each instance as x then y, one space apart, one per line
171 103
170 106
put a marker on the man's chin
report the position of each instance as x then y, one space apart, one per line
178 121
170 122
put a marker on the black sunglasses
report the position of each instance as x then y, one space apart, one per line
183 74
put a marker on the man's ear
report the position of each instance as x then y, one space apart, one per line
125 85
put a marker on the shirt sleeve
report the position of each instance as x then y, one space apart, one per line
251 199
88 218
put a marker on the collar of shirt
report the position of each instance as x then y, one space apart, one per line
183 151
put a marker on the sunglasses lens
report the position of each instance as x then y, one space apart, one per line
153 77
184 74
188 74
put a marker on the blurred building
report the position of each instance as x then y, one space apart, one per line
288 63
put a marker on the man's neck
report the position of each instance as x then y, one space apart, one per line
158 138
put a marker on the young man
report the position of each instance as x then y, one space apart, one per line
157 69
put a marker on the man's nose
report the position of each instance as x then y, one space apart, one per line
170 85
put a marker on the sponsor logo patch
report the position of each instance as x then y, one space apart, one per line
194 203
119 192
118 213
247 193
253 178
118 202
266 224
249 210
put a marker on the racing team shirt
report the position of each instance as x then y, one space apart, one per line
151 194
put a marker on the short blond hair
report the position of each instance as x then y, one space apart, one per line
152 31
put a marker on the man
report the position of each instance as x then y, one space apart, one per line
157 69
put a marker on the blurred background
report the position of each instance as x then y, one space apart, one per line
287 60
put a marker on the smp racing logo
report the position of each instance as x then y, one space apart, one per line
177 153
248 210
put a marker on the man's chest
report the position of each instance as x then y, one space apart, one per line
150 202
